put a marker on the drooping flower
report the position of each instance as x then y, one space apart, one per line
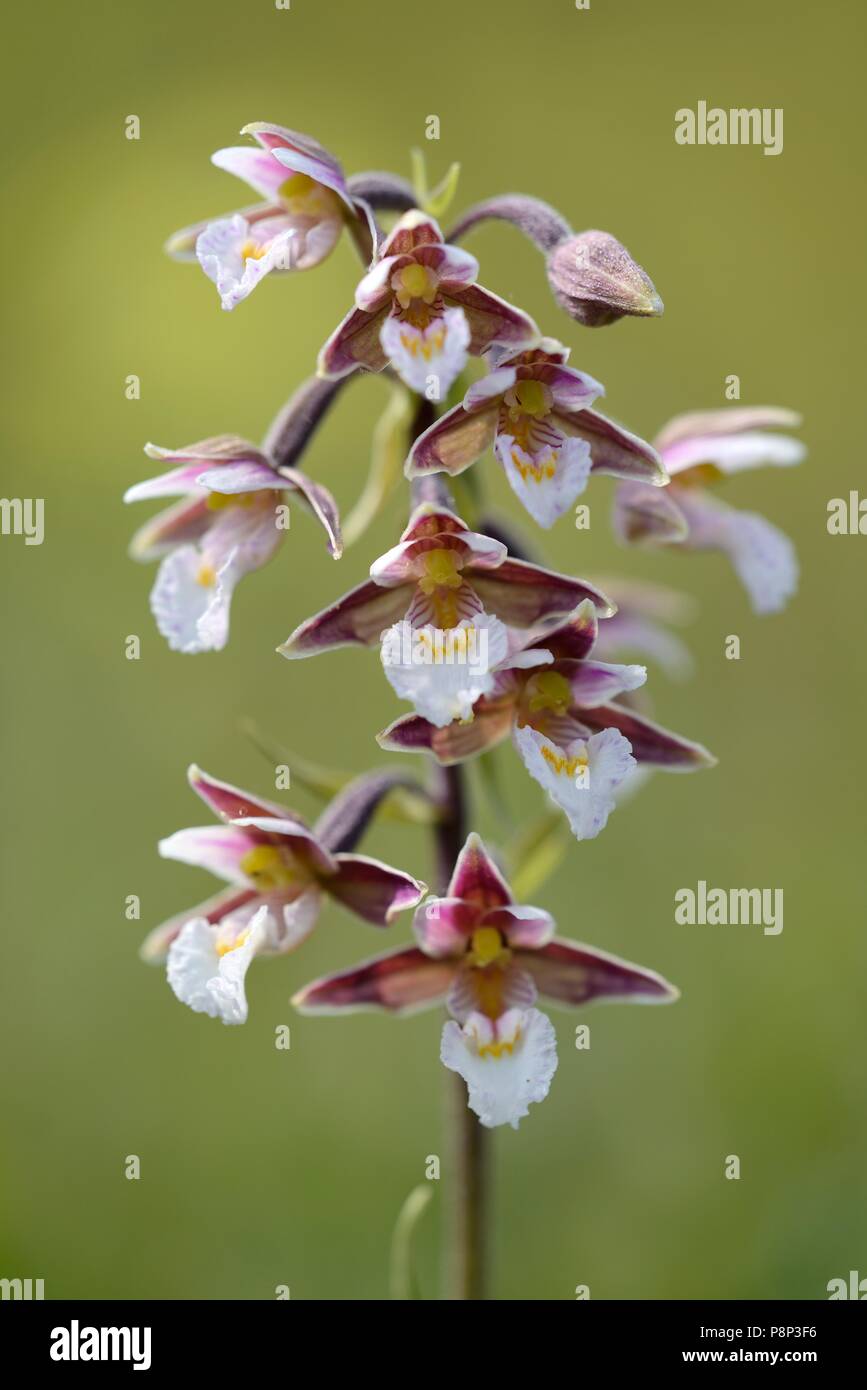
307 204
642 625
438 603
560 707
534 410
420 309
278 871
488 959
698 449
230 521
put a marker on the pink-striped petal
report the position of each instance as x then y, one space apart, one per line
443 926
412 230
567 972
614 450
493 320
648 514
477 879
401 981
217 848
361 616
525 928
596 682
373 890
354 343
301 154
521 594
257 167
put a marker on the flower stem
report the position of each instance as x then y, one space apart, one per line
467 1142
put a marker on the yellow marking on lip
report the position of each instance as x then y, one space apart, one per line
224 947
206 575
561 764
251 251
536 472
496 1049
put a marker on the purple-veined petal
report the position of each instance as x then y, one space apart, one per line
614 450
567 972
230 802
571 390
521 594
490 389
443 926
412 230
597 682
354 343
477 879
183 524
493 320
217 848
301 154
373 290
572 639
181 245
257 167
453 267
454 442
318 500
507 1063
648 514
433 356
547 481
650 742
373 890
233 478
361 616
233 901
400 981
525 928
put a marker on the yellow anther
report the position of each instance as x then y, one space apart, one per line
548 690
529 398
267 866
414 282
440 571
487 945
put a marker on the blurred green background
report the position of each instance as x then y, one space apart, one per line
261 1167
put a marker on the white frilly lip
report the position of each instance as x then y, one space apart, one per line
207 965
507 1064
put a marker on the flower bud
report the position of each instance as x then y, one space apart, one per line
596 280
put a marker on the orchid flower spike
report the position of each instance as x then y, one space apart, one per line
438 604
699 449
278 871
488 959
559 706
307 203
231 519
420 309
534 410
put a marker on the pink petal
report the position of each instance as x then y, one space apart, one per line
648 514
491 723
361 616
258 168
401 981
443 926
525 928
354 343
321 503
521 594
614 450
217 848
573 638
373 890
570 973
477 879
301 154
493 320
455 441
650 742
182 524
414 229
